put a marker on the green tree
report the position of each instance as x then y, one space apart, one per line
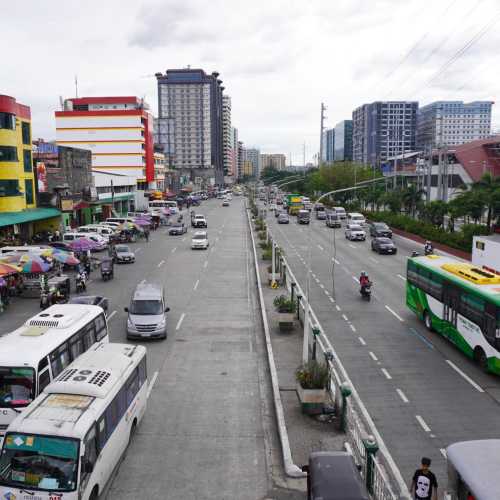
393 200
434 212
489 188
412 196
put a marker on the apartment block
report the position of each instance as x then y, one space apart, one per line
343 141
277 161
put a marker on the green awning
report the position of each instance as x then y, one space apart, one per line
30 215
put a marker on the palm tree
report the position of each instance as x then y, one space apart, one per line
411 196
488 187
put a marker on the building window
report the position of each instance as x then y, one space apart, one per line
26 133
8 153
9 188
28 165
7 121
28 190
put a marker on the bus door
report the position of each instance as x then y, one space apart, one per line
491 327
450 307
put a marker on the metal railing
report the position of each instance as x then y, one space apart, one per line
382 477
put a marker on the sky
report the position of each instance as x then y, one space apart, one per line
279 59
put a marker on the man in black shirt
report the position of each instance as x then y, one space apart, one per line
424 485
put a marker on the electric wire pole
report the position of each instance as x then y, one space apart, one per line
323 109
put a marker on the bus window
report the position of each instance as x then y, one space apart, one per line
100 327
142 372
76 346
90 456
43 380
59 359
132 387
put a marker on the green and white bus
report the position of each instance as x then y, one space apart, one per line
461 302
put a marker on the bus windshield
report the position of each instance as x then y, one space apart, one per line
17 386
39 462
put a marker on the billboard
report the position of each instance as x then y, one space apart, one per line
41 175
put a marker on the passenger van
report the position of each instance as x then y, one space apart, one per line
340 211
157 205
147 316
104 231
100 241
35 353
69 441
356 218
120 220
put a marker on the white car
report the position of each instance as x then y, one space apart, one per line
355 232
200 240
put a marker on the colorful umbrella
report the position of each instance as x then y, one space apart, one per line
65 258
34 264
12 258
3 282
82 245
6 269
142 222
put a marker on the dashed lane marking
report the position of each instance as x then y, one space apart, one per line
321 248
151 384
352 327
111 315
138 249
196 284
402 395
362 340
394 313
335 260
465 376
374 260
386 374
443 452
338 308
372 355
401 277
174 249
161 263
355 279
421 421
332 300
352 246
345 317
181 319
205 264
322 286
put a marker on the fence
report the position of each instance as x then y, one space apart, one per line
382 476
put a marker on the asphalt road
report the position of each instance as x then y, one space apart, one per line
202 436
422 393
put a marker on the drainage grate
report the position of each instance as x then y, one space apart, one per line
230 346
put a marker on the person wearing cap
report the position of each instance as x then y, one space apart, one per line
424 484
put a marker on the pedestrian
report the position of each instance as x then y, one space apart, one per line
424 484
57 235
146 234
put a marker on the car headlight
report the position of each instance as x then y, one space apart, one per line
130 324
162 323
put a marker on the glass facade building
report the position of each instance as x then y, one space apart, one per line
343 141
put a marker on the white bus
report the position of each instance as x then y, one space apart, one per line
34 354
67 443
155 205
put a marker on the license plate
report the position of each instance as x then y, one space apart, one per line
145 335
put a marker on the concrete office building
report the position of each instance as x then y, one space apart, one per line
240 154
343 141
277 161
253 156
447 123
384 129
190 124
226 133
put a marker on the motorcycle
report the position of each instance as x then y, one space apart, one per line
81 285
45 300
428 250
366 291
107 269
415 253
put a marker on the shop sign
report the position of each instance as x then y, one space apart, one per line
67 205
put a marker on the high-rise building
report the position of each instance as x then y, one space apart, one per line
447 123
253 156
343 141
226 133
234 153
240 159
384 129
277 161
329 145
190 123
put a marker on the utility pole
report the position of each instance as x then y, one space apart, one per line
76 85
440 192
304 156
323 109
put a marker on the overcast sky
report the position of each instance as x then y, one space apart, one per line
279 59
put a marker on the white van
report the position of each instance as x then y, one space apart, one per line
120 220
340 211
112 225
102 243
104 231
356 218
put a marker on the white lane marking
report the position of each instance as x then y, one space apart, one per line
320 247
181 319
345 317
313 275
161 263
174 249
386 373
151 384
196 284
373 356
326 293
317 280
374 260
465 376
213 249
138 249
322 286
401 277
205 264
352 246
402 395
443 452
111 314
355 279
338 308
143 281
362 340
335 260
394 313
331 300
421 421
352 327
184 239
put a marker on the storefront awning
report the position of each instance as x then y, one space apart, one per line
31 215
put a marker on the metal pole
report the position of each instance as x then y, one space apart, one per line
273 268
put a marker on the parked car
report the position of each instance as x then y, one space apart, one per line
177 228
200 240
333 220
283 218
147 313
60 245
380 229
91 300
321 215
383 245
303 217
198 220
122 253
355 232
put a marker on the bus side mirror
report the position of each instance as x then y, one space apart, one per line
125 309
88 467
167 309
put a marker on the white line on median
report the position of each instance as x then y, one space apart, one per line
196 284
320 247
205 264
421 421
161 263
465 376
111 314
352 327
181 319
401 277
394 313
151 384
373 356
402 395
362 340
386 373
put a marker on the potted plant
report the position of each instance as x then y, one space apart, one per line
286 309
312 379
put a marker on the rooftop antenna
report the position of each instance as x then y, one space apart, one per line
76 85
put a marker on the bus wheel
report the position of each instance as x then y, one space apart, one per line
95 493
132 430
428 321
481 359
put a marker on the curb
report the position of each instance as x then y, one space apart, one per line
291 469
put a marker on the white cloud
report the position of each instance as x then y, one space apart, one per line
278 58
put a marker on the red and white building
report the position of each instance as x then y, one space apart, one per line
118 131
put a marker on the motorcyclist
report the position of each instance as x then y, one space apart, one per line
428 248
364 280
81 277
